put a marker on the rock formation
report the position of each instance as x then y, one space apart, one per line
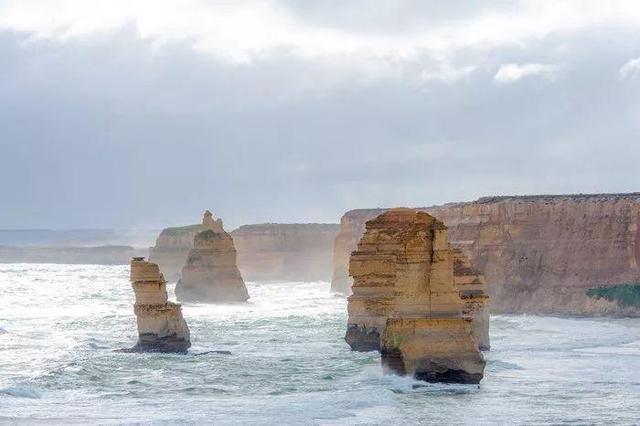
266 252
539 254
172 248
210 273
405 301
473 291
161 327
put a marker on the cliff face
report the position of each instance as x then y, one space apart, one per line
405 301
172 247
286 252
210 273
266 252
161 327
539 254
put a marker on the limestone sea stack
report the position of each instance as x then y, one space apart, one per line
161 327
405 301
473 291
210 273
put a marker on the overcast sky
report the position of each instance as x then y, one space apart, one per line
144 113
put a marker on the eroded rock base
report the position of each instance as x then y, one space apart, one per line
433 350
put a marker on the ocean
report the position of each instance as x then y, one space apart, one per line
60 327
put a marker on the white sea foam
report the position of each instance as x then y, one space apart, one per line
288 362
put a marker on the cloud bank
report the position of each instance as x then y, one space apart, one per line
144 113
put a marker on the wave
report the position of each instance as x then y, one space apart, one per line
21 391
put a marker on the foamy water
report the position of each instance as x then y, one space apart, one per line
60 325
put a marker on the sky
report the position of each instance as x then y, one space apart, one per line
141 114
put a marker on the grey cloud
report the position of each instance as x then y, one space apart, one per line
111 131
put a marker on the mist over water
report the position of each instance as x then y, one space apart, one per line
60 325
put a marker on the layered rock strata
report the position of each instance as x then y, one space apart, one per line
473 291
405 301
538 254
161 327
210 273
266 252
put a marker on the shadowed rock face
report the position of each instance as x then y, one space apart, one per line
538 254
161 327
405 302
473 291
210 273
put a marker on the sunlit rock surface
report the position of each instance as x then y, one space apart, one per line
538 254
405 301
210 273
161 327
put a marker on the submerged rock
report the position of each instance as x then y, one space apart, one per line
210 273
161 327
405 302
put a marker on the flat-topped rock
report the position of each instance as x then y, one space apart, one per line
210 273
473 291
405 302
161 326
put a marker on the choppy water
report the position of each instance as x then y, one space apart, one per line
60 324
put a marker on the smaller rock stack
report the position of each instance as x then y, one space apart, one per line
473 291
210 273
405 302
161 327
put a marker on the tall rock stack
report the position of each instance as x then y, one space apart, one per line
473 291
405 302
161 327
210 273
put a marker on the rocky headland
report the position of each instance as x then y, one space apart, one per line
210 273
405 301
161 327
266 252
538 254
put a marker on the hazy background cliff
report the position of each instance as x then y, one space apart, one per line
266 252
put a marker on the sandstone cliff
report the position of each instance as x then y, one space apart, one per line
172 248
405 301
286 252
539 254
266 252
210 273
161 327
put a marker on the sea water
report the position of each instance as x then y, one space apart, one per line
60 327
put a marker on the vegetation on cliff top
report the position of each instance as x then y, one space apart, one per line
624 294
180 229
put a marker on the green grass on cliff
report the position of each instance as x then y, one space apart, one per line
180 229
624 294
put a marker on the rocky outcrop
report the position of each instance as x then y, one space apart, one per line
210 273
405 301
538 254
266 252
161 327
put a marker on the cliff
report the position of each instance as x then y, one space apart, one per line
266 252
172 247
405 301
286 252
210 273
161 327
538 254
